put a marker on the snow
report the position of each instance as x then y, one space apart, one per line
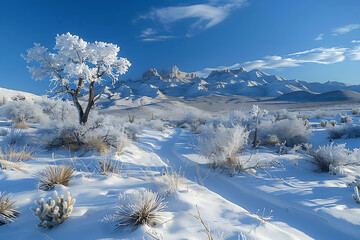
290 199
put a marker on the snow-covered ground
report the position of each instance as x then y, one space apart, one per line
288 200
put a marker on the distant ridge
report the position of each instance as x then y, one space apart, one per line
333 96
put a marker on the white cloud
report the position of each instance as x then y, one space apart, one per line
355 41
316 55
345 29
204 16
354 53
319 37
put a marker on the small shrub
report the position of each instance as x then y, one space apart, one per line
334 155
8 209
97 144
55 174
168 182
53 212
292 131
222 144
347 130
333 123
324 123
21 125
345 119
15 137
142 208
12 155
108 167
355 111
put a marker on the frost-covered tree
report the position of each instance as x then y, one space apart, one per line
75 66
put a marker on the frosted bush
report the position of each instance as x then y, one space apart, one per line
355 111
140 208
284 114
324 123
156 124
168 181
24 111
8 209
333 123
15 137
222 144
334 155
345 119
53 212
291 131
347 130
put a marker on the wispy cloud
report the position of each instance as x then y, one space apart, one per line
345 29
316 55
354 54
355 41
319 37
203 16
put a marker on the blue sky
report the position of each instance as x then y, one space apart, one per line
307 40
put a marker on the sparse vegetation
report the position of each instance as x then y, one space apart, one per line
12 155
334 155
8 209
55 174
142 208
21 125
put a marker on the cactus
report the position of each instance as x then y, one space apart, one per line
53 212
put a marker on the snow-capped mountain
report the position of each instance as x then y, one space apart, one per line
254 83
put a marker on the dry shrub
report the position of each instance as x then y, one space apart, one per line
108 167
142 208
10 156
21 125
97 144
8 210
56 174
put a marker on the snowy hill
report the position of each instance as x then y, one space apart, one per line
12 95
172 82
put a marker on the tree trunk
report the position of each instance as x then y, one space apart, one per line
83 116
90 104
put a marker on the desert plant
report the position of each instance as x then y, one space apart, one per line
108 167
293 131
168 181
334 155
21 125
333 123
15 137
222 144
53 212
98 144
12 155
142 208
8 209
55 174
345 119
347 130
324 123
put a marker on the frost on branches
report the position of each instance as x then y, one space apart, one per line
75 66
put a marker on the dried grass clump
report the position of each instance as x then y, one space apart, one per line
56 174
108 167
168 182
97 144
21 125
10 156
15 137
8 210
142 208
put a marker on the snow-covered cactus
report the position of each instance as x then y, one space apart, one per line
356 194
333 123
53 212
336 170
324 123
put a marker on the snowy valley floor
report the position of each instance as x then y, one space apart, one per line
289 200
